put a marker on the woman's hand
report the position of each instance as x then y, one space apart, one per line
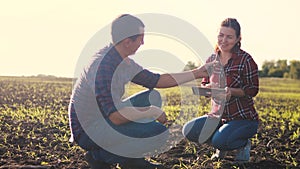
228 93
213 115
206 85
223 95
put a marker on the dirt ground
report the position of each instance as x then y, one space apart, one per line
176 158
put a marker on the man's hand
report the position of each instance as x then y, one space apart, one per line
162 118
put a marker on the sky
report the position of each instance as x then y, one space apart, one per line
48 36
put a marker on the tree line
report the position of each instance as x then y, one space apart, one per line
279 68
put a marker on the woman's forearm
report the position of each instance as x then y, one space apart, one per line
237 92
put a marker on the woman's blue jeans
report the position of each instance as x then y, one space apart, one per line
132 129
229 136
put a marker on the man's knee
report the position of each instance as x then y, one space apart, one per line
155 98
155 129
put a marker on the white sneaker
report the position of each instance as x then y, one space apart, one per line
243 154
219 154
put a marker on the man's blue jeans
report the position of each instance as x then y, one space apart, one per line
132 129
229 136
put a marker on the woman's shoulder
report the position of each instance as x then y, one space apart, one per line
244 55
245 58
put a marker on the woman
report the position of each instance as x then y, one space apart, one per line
236 72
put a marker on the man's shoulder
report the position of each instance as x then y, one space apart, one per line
105 50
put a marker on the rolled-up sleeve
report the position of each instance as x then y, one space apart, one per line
146 79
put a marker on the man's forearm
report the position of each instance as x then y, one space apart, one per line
174 79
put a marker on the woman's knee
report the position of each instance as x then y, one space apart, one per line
192 129
187 128
218 142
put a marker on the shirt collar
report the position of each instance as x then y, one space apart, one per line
112 52
235 55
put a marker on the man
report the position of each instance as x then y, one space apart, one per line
115 130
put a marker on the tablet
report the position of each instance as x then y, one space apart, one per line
197 90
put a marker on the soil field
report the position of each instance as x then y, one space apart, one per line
35 131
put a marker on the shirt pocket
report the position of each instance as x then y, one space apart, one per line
233 77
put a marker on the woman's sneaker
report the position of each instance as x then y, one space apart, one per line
243 154
219 154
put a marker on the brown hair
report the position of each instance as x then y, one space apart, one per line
234 24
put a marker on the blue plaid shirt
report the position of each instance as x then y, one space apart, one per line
110 75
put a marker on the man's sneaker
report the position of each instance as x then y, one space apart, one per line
95 164
243 154
219 154
141 163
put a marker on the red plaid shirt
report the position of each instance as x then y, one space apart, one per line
240 72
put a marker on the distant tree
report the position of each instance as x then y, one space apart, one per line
46 76
274 72
189 66
286 75
279 69
294 69
267 65
282 65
